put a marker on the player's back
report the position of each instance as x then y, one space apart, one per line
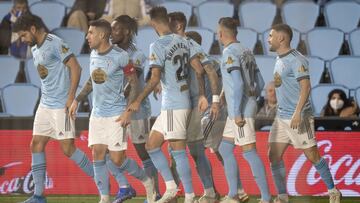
171 54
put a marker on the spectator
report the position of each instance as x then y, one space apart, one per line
339 105
267 112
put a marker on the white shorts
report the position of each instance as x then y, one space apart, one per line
104 130
139 131
172 123
302 138
213 133
54 123
194 128
241 135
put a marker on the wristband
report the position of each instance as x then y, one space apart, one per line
215 99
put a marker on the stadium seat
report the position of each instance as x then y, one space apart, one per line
355 42
343 15
31 2
258 15
320 93
217 9
73 37
301 15
51 13
316 68
357 95
345 70
194 3
20 99
32 74
324 42
294 42
5 7
67 3
206 35
144 38
247 37
84 61
9 68
172 6
266 65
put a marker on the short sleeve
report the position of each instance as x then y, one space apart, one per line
301 70
230 62
138 60
63 51
157 56
123 59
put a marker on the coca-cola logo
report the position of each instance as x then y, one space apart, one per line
345 171
22 184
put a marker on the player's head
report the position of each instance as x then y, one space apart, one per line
20 6
280 36
124 28
177 22
28 27
158 17
99 32
227 29
194 36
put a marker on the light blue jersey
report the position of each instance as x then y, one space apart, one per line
50 58
107 75
290 68
138 59
171 54
236 57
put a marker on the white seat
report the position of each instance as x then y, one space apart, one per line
84 61
206 35
211 11
9 68
247 37
345 70
50 12
32 74
294 42
174 6
343 15
316 68
266 66
355 42
75 38
144 38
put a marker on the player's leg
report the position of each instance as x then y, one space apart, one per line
100 171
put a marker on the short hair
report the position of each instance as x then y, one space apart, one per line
24 23
194 36
128 22
103 25
159 13
178 17
20 2
230 24
283 28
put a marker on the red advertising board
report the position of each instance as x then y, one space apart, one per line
341 150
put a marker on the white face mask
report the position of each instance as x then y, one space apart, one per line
336 104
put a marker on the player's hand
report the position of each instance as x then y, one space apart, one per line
157 91
215 110
133 107
203 104
222 101
69 102
124 119
295 120
73 108
240 121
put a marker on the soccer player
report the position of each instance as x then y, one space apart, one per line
59 72
294 123
169 56
109 66
242 83
194 135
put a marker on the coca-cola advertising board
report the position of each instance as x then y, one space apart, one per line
340 149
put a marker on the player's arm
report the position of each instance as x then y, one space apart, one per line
199 71
305 88
75 72
214 85
238 92
259 82
133 85
85 91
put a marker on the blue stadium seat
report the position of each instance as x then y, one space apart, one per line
9 68
67 3
301 15
31 2
84 61
266 65
144 38
355 42
51 12
345 70
5 7
194 3
75 38
320 93
343 15
325 42
172 6
247 37
206 35
294 42
316 68
258 15
20 99
211 11
32 74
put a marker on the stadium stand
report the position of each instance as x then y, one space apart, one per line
266 65
354 40
343 15
9 68
218 9
316 68
31 72
345 70
172 6
51 12
247 37
73 37
207 36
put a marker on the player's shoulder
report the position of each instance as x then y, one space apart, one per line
296 58
118 51
53 39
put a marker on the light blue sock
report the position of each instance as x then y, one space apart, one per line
114 170
161 163
226 150
151 171
38 168
322 168
133 169
101 177
203 167
183 169
279 176
80 158
258 171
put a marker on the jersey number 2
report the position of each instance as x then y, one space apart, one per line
181 62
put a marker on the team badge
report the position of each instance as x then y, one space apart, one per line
137 62
277 79
302 69
43 71
99 76
64 49
152 57
201 56
229 61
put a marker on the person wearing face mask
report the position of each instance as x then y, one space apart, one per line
339 105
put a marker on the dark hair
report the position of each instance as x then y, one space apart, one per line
178 17
24 23
328 111
128 22
229 23
103 25
159 13
283 28
194 36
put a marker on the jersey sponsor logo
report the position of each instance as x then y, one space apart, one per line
64 49
229 61
99 76
277 79
302 69
152 57
43 71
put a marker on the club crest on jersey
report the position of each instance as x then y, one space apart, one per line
277 79
302 69
152 57
229 61
137 62
64 49
99 76
43 71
